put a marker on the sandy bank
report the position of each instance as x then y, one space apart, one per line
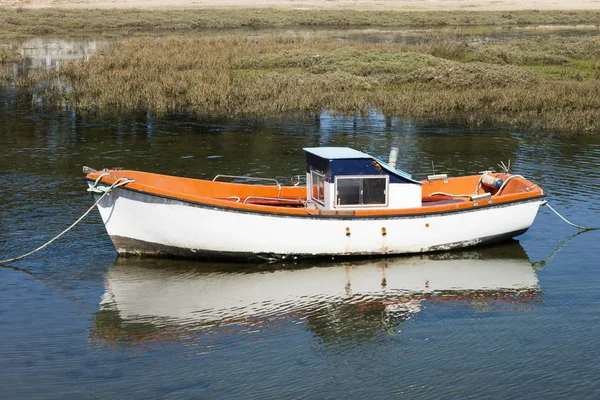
404 5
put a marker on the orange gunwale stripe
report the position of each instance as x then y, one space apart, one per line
187 189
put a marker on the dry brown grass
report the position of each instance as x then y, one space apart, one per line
126 22
275 74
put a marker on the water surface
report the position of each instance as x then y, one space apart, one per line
516 320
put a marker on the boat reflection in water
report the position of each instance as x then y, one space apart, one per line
157 299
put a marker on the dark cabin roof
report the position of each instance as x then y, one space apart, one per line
333 154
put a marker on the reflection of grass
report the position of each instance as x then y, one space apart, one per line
5 73
274 74
111 22
8 56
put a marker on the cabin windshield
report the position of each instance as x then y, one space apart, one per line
361 190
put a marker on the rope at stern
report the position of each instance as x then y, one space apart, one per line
117 183
583 228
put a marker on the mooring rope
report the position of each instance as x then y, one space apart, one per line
583 228
117 183
542 263
124 181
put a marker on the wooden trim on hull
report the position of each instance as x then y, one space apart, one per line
127 247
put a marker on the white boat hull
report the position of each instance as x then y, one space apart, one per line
145 224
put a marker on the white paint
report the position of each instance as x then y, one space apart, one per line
172 223
400 196
404 195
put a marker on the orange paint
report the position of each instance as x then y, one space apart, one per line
226 194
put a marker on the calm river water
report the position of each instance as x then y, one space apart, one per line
518 320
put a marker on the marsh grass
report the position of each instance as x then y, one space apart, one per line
532 85
126 22
8 56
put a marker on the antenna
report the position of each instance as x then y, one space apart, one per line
433 167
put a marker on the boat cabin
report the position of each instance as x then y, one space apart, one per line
339 178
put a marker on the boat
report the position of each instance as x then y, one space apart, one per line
351 204
161 299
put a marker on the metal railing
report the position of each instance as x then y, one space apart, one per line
250 178
280 199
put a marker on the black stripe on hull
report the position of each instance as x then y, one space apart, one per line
127 247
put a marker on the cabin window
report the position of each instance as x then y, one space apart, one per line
361 190
317 186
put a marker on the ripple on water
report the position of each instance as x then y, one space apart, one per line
483 322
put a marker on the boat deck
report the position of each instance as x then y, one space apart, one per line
437 196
